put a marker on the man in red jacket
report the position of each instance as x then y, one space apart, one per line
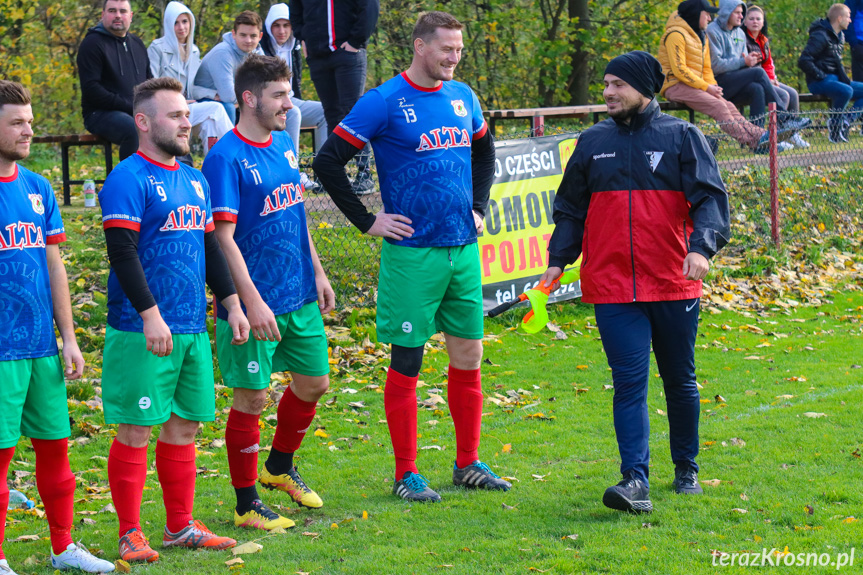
643 202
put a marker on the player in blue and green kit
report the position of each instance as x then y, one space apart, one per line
435 160
158 367
260 220
34 295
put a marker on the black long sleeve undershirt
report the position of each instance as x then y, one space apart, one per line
482 157
123 254
329 167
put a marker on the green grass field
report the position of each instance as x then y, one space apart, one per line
779 346
785 478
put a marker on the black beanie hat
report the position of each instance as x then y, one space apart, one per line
690 11
640 70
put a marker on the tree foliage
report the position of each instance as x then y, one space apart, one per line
518 53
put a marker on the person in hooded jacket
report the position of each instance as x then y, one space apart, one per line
643 202
821 61
111 62
738 72
175 55
755 25
215 78
279 41
854 36
684 54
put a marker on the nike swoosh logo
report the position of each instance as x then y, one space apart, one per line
689 307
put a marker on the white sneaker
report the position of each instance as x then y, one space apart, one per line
5 569
798 141
309 184
783 147
76 557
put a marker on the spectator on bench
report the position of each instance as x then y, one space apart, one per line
175 55
111 62
755 24
821 61
684 54
854 35
279 41
215 78
737 71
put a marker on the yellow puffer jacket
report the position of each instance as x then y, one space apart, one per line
684 57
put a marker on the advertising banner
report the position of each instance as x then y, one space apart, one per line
514 247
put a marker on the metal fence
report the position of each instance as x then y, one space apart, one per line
817 192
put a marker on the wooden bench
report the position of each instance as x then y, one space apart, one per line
536 116
76 140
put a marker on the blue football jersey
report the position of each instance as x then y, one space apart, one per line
257 186
29 220
422 143
170 208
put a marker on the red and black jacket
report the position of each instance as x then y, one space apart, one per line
634 200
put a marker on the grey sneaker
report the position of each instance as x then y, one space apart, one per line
477 475
363 184
415 487
686 481
631 495
5 569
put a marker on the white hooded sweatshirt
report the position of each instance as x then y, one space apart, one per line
164 52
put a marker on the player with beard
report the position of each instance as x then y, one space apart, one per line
435 159
261 224
643 192
158 367
35 296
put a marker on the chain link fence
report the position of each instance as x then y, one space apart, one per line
819 187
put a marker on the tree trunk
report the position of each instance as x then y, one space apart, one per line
579 78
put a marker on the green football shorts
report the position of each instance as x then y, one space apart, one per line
425 290
303 350
33 400
140 388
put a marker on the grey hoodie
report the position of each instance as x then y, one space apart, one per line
164 52
216 74
727 47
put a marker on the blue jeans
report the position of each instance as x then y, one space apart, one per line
839 93
116 127
230 109
627 331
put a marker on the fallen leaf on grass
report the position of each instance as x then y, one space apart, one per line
247 548
809 509
849 520
506 507
25 538
234 561
574 536
739 510
321 433
88 521
538 570
108 509
711 482
607 387
737 442
744 497
121 566
539 477
814 415
310 534
719 399
438 447
31 561
784 396
507 448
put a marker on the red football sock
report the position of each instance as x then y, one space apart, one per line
464 393
295 417
56 486
5 459
242 435
400 404
127 472
175 465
